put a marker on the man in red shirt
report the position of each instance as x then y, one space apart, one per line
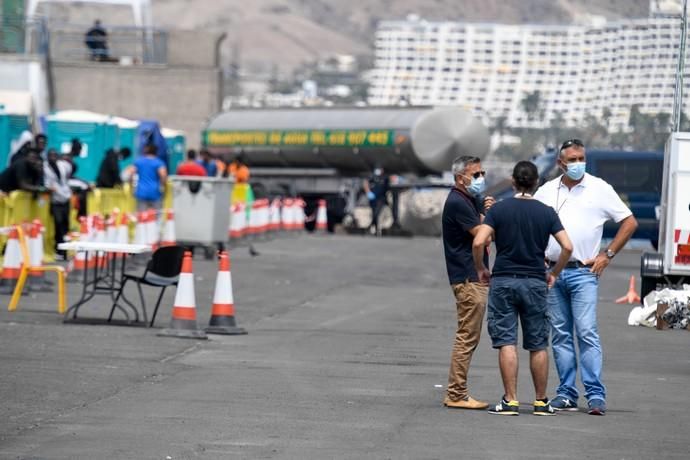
190 167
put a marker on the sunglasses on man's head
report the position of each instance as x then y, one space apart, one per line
570 143
478 173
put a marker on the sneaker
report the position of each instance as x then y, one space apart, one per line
597 406
561 403
469 403
543 408
505 408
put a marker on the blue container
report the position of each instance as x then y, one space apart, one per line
176 141
11 127
95 131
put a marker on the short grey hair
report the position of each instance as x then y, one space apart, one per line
461 163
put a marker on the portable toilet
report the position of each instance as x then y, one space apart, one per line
96 132
15 118
176 141
127 137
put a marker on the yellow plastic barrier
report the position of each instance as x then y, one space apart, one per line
23 207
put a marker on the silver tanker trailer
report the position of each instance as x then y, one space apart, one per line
327 152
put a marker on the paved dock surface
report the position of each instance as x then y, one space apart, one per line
347 357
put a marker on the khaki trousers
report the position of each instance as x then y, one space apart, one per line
470 300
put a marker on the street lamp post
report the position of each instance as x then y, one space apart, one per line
678 96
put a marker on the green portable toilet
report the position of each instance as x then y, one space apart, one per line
127 137
11 128
176 141
95 131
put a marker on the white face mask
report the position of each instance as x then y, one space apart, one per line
576 171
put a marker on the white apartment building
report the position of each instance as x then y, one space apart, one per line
490 68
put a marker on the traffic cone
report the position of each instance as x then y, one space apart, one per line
140 229
152 230
183 322
11 264
122 229
299 216
631 296
274 219
286 220
80 263
169 229
37 280
321 216
223 312
100 237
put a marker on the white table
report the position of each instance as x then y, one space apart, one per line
104 275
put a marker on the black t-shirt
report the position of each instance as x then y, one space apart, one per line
379 185
460 214
521 232
18 173
109 172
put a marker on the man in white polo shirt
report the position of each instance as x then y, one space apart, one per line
583 203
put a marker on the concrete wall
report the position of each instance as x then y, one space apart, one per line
25 73
180 98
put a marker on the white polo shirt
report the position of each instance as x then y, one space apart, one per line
583 210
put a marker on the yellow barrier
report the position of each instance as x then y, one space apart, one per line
22 207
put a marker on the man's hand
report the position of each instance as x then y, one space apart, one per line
599 263
488 202
484 275
550 279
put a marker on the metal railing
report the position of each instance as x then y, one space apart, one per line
19 36
126 45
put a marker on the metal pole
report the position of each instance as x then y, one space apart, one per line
678 97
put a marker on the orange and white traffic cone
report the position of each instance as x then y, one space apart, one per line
140 229
274 219
122 229
183 322
286 221
79 264
37 280
169 229
11 264
152 230
632 296
299 216
322 216
223 311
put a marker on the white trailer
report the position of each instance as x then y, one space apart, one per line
670 266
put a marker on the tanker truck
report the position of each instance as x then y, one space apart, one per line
326 153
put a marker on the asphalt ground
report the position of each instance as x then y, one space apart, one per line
347 357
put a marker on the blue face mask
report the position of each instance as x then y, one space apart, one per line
576 171
477 186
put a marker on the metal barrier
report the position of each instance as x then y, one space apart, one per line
130 45
21 207
20 36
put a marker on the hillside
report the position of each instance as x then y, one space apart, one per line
280 34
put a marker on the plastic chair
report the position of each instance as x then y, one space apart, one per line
162 271
24 273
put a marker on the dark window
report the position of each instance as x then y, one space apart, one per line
631 176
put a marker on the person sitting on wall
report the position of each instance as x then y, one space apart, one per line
109 175
96 39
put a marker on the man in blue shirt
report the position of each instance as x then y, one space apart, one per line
520 227
151 177
207 162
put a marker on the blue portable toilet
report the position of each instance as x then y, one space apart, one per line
127 137
176 141
15 118
96 132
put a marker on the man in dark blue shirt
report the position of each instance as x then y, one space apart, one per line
462 216
520 227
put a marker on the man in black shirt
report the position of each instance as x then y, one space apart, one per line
520 227
24 174
376 188
462 216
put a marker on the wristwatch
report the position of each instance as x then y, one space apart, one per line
610 254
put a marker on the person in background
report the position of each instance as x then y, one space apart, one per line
190 167
207 162
462 216
24 174
41 143
151 176
109 175
584 203
20 147
96 39
520 227
376 189
56 173
239 169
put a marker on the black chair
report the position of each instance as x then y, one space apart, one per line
162 270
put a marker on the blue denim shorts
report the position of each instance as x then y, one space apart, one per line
510 298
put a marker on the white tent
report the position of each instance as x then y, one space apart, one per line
141 9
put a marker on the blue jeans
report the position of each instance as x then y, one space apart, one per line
573 305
